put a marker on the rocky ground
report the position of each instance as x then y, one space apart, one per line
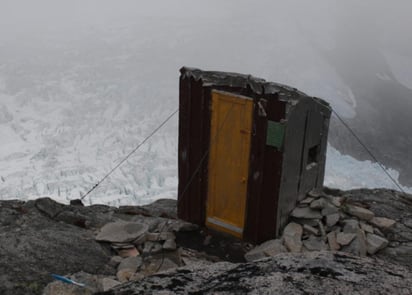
331 220
143 250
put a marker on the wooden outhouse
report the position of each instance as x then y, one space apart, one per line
248 151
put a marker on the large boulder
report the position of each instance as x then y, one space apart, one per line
34 245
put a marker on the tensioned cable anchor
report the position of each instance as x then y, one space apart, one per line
131 153
369 151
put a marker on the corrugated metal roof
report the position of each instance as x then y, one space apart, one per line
258 85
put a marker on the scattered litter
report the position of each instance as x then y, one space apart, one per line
67 280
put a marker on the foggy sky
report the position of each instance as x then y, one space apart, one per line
285 28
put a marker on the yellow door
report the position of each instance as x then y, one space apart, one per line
230 135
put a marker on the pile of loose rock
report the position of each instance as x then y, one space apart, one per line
142 249
325 222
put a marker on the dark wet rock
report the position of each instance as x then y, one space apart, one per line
72 217
223 247
287 273
87 217
77 202
35 245
49 207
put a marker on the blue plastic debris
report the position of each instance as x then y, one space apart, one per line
67 280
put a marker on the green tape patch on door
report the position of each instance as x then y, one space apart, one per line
275 134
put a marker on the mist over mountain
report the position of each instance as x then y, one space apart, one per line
83 82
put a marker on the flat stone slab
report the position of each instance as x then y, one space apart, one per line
359 212
306 213
329 209
130 263
108 283
345 238
366 227
129 252
374 243
121 232
350 226
318 203
382 222
358 245
336 201
268 248
169 245
315 244
162 236
292 235
333 244
152 247
306 201
310 229
332 219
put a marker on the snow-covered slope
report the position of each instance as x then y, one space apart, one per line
80 89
